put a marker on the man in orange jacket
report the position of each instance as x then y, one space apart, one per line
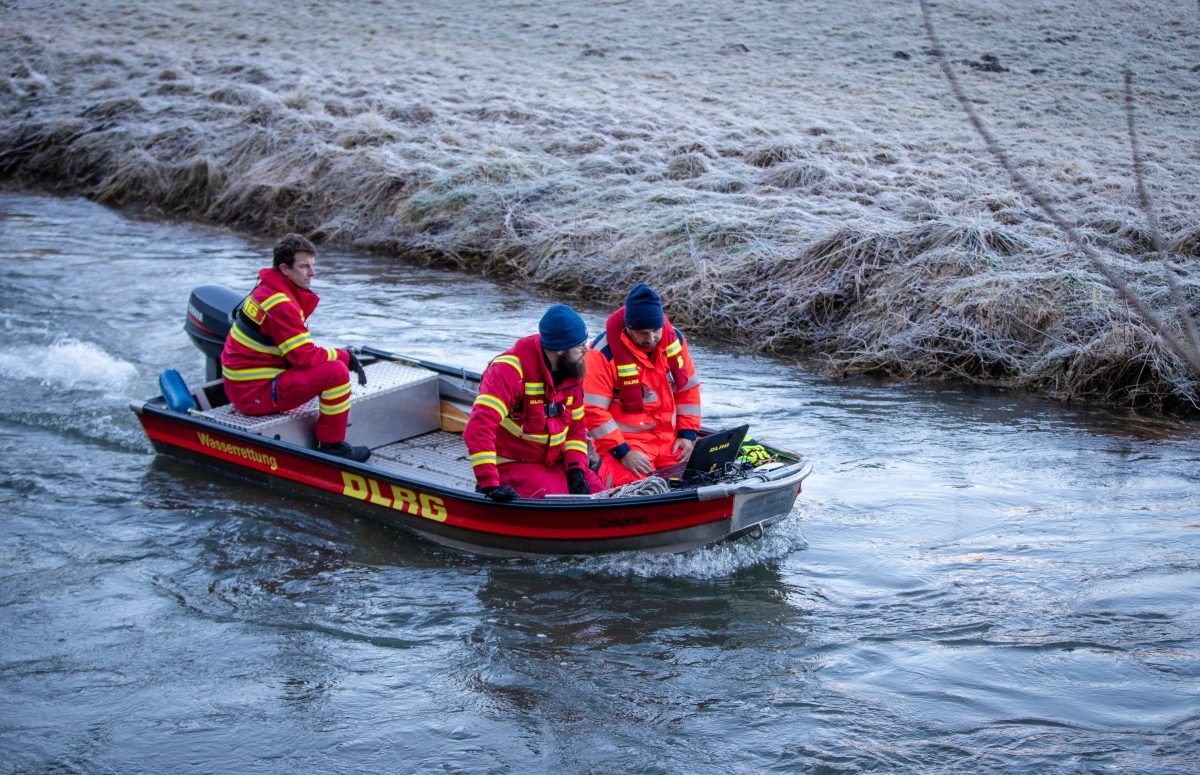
270 363
526 435
641 392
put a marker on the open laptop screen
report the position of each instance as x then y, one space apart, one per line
711 453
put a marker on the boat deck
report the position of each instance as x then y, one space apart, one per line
385 378
407 402
398 402
439 457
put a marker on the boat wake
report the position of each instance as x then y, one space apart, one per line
711 561
83 392
71 364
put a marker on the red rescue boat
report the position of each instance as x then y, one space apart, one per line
411 414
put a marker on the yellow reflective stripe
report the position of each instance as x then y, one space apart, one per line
688 409
558 438
535 388
511 427
291 344
483 458
337 408
674 348
332 353
626 369
514 429
335 403
574 445
240 337
493 403
513 361
273 299
245 375
335 392
577 414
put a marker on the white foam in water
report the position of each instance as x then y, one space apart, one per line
67 363
712 561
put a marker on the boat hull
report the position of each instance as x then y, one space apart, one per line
673 522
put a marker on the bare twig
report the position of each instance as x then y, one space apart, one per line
1148 209
1025 186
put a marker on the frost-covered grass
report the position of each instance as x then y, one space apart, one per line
792 174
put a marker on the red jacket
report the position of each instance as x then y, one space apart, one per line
668 410
521 415
270 334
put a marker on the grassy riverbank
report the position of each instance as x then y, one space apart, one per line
792 175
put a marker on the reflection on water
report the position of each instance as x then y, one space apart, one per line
972 579
638 666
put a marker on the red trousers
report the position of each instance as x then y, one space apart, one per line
612 470
537 480
296 387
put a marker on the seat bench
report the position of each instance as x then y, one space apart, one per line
398 402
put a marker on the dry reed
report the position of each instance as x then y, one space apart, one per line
799 215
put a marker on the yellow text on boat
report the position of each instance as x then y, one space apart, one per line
403 499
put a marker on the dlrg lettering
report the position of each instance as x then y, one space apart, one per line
399 498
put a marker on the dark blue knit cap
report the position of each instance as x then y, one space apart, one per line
643 308
562 328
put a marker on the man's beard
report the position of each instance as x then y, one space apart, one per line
566 370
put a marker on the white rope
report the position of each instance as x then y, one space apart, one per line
651 485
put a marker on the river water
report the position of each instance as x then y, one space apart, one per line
970 580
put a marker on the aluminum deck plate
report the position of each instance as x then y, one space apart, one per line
439 457
382 377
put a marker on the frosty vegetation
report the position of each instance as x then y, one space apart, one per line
794 175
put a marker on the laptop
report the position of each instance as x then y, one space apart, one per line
711 453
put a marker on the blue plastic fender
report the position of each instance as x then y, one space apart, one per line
175 391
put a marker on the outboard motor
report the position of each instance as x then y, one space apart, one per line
209 317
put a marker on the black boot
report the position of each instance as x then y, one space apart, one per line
342 449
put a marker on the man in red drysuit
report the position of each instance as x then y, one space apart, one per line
526 435
270 363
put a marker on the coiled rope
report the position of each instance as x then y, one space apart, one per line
651 485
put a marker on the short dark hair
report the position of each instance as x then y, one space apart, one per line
288 246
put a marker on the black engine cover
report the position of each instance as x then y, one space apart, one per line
209 316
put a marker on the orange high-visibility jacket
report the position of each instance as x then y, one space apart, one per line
521 415
669 411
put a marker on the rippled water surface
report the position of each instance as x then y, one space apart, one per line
971 580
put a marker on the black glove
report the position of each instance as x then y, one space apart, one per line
357 368
501 494
576 484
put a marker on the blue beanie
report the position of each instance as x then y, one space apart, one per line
643 308
562 328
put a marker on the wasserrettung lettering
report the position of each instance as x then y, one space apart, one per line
242 452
